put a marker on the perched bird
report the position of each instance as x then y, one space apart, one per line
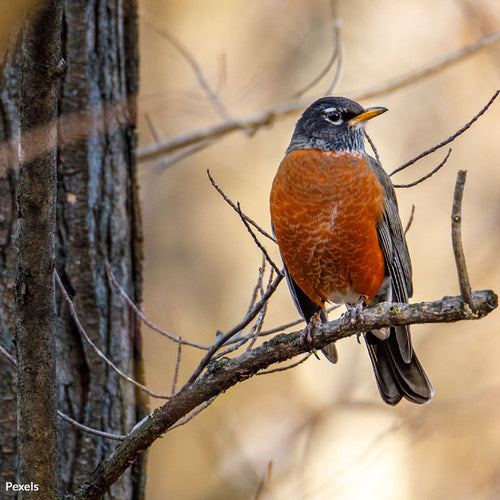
335 216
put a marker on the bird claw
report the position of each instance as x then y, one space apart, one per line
306 335
355 313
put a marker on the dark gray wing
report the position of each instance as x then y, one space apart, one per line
397 258
396 366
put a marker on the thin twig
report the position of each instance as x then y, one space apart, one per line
426 176
99 353
177 366
372 145
450 139
334 56
220 341
174 158
143 318
293 323
266 117
154 130
287 367
456 236
258 285
256 240
188 56
337 35
410 219
11 358
89 430
235 208
430 69
193 414
257 327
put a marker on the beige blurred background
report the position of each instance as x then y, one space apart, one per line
323 427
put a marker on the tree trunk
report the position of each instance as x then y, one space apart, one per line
36 230
98 220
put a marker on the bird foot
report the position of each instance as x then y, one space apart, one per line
306 335
355 313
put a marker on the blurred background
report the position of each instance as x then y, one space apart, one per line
319 431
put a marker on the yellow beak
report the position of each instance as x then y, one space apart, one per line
367 114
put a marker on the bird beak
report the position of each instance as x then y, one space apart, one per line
367 114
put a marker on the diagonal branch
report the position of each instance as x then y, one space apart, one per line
225 373
267 116
450 139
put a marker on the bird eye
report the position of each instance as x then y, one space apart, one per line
333 116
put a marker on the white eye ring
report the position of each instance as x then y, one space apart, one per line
333 116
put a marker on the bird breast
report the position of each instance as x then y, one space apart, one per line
325 207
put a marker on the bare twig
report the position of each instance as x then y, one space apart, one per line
430 69
372 145
9 356
257 327
426 176
99 353
456 236
89 430
450 139
189 57
335 56
256 240
177 365
143 318
174 158
287 367
298 321
410 219
226 372
258 285
338 46
235 208
193 414
154 130
233 331
266 117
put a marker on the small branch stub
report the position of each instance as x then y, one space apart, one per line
456 237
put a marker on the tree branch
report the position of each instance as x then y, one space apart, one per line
267 116
456 237
225 373
450 139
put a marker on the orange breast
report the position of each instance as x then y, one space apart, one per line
324 210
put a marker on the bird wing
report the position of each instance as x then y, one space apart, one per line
397 258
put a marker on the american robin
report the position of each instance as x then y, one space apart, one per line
335 216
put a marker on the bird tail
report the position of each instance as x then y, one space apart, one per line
397 378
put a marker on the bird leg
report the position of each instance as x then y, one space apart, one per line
354 314
306 335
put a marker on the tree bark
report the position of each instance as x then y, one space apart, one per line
98 219
98 214
36 221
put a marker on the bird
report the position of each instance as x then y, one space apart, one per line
335 217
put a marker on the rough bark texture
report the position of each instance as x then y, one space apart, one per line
36 216
97 219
